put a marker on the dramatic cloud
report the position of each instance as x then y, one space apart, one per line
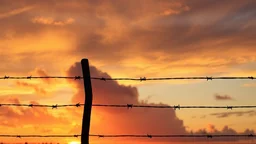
222 97
133 121
107 32
136 120
111 92
186 27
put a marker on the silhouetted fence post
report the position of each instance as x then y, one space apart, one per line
87 103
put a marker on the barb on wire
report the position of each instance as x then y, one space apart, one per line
129 106
136 79
176 107
127 135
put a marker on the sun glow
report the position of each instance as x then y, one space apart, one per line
74 142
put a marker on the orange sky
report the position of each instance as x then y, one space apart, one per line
133 38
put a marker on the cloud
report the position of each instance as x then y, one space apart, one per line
21 116
250 113
36 120
108 32
136 120
223 97
172 40
51 21
37 89
42 73
249 85
179 7
224 131
15 12
42 129
121 120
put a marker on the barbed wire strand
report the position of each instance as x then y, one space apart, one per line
127 106
127 135
136 79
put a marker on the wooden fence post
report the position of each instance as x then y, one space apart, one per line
87 103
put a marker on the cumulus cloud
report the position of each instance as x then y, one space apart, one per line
121 120
134 121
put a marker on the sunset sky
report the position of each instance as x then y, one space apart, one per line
128 38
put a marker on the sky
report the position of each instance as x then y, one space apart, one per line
135 38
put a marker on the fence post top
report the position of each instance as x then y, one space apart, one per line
84 60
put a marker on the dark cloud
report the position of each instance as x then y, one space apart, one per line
222 97
107 31
178 36
200 28
224 131
249 113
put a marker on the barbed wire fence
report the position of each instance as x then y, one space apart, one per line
128 106
88 105
131 79
127 135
